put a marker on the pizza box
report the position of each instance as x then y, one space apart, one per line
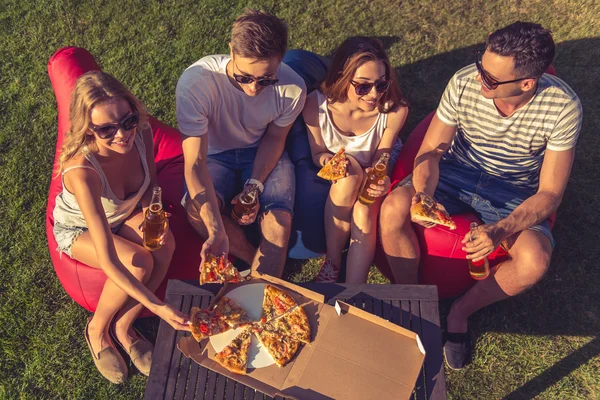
353 354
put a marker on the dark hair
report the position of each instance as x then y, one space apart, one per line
530 46
351 54
260 35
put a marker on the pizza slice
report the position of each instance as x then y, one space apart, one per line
336 167
218 269
295 325
234 357
232 313
206 323
280 347
428 210
276 302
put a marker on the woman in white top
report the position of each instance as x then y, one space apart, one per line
359 106
107 168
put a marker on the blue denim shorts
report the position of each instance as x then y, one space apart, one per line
230 169
66 236
464 189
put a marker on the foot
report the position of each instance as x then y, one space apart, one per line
99 337
457 349
108 360
329 272
139 349
125 335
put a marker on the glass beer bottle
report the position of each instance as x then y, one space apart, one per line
154 221
245 204
377 173
478 269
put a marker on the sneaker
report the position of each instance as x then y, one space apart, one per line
458 350
329 272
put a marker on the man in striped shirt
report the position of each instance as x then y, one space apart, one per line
501 144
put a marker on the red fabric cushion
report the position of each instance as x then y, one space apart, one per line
83 283
443 262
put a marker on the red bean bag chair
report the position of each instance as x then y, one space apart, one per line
83 283
443 263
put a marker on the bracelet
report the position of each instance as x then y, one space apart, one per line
259 185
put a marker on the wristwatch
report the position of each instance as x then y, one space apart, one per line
259 185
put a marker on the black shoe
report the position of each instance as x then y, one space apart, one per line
457 350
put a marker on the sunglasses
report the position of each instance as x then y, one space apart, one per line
488 82
127 123
246 80
363 89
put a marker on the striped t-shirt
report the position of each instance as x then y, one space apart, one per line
510 147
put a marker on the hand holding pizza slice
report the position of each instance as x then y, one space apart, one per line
427 210
335 168
218 269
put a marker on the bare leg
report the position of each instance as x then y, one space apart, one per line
270 258
362 242
530 254
135 258
239 246
398 238
338 211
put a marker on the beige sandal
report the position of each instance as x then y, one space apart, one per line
108 361
140 352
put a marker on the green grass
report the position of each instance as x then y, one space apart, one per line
542 344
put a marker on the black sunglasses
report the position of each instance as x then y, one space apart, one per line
127 123
485 78
246 80
363 89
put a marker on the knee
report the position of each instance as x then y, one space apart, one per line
142 265
276 225
363 215
395 210
532 265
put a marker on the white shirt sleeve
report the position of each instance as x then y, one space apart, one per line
293 108
566 132
447 110
192 108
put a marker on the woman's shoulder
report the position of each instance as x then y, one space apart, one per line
396 117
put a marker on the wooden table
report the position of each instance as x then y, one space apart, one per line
174 376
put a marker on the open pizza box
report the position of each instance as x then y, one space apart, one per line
353 354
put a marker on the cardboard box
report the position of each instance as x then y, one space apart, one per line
353 354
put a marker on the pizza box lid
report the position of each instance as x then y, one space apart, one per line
353 354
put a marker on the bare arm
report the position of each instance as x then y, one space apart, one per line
310 113
554 175
396 120
200 186
437 140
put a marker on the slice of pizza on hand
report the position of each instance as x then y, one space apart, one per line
205 323
336 167
280 347
276 302
234 357
232 313
218 269
428 210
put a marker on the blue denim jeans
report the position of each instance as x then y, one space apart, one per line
463 189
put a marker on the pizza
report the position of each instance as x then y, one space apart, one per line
276 302
281 348
232 313
336 167
428 210
295 325
206 323
234 357
218 269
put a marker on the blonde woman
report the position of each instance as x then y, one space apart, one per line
108 172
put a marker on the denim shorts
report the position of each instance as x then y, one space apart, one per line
66 236
230 169
463 189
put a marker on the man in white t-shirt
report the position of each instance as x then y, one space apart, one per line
234 113
501 144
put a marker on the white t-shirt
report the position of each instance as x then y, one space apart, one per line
207 102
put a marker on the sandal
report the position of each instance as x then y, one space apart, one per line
329 273
457 350
108 361
140 351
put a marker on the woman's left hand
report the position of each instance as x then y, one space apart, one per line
381 188
163 237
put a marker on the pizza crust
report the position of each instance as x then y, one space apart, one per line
336 167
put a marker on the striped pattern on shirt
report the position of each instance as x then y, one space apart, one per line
510 147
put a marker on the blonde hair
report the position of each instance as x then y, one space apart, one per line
91 89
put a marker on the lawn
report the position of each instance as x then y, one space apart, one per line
543 344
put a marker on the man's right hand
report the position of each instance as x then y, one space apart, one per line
416 199
216 245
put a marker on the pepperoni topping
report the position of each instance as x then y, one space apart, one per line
204 328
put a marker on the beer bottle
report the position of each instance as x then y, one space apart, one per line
154 221
246 203
376 174
478 269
